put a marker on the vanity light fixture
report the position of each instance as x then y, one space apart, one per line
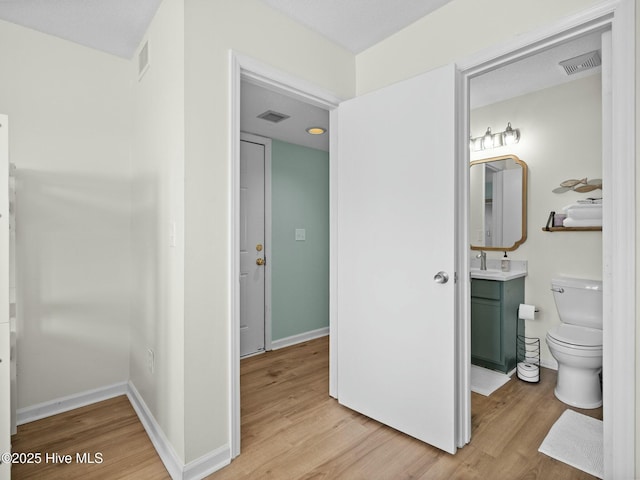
495 140
316 130
487 140
511 136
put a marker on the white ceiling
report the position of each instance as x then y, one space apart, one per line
532 73
113 26
356 24
117 27
255 100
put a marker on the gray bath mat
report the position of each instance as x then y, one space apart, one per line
576 439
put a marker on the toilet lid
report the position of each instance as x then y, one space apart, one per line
576 335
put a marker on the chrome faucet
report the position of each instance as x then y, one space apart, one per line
483 260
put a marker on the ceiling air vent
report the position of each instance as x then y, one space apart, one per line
581 62
272 116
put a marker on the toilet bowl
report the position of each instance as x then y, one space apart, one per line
576 343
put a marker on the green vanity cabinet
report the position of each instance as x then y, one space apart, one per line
494 319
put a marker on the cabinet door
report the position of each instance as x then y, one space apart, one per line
486 334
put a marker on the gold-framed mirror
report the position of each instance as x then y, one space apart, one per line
497 203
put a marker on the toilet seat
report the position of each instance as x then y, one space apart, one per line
575 336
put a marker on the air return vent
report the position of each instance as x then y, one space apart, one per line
581 62
143 60
272 116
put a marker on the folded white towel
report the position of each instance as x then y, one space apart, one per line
583 206
591 222
584 213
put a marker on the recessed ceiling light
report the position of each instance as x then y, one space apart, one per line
316 130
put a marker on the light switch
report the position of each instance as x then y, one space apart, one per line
173 235
301 234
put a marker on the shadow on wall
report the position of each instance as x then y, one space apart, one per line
73 282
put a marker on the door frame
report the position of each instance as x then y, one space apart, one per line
620 283
619 228
242 67
266 142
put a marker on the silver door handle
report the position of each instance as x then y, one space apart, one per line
558 290
441 277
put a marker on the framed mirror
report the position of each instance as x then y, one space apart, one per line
498 203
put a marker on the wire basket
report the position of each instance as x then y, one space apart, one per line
528 358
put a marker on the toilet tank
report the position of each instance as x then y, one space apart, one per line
579 301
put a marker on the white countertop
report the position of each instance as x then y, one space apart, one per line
493 272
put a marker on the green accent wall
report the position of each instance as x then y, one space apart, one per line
299 269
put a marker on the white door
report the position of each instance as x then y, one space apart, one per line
252 246
5 378
396 233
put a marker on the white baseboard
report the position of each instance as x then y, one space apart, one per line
207 464
71 402
195 470
169 457
551 364
301 337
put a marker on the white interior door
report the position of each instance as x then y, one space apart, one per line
5 378
396 232
252 247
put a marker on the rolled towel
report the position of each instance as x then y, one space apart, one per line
591 222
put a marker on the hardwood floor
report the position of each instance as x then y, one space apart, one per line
110 428
292 429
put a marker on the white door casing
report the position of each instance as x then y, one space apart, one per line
5 377
253 244
396 231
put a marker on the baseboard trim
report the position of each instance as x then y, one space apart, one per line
169 457
71 402
299 338
195 470
207 464
550 364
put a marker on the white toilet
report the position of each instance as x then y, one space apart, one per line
577 342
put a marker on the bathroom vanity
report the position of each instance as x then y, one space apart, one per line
495 298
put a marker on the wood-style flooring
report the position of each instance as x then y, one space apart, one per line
292 429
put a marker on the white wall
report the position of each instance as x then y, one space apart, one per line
158 204
560 139
211 29
68 109
452 33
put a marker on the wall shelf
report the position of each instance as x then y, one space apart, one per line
571 229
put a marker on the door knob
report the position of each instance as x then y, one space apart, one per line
441 277
260 261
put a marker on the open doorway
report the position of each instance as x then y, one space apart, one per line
284 220
557 114
558 117
260 83
618 163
